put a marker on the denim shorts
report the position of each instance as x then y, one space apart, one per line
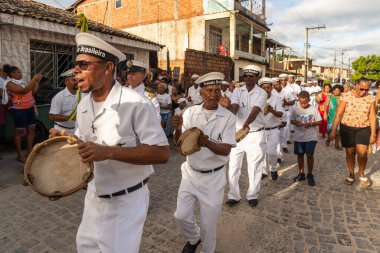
301 148
23 117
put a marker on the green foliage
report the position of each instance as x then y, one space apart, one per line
286 56
327 81
368 67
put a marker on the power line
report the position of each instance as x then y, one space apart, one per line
59 4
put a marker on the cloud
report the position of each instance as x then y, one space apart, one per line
350 24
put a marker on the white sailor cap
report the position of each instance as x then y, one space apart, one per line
225 83
252 69
265 80
275 79
92 45
291 76
283 76
68 73
194 77
298 79
211 78
181 100
309 81
136 66
315 81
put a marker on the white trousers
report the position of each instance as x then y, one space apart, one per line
113 225
279 151
208 189
283 135
288 126
254 146
273 139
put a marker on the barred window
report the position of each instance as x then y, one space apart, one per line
51 60
118 4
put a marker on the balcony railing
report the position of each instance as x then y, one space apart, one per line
245 55
252 8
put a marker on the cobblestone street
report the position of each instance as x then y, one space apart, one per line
290 217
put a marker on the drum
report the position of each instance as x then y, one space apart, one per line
188 141
241 134
54 168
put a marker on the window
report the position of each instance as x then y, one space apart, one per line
118 4
51 60
215 39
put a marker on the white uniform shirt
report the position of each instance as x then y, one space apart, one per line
220 128
125 119
246 101
195 95
270 119
284 94
156 105
63 103
294 88
164 99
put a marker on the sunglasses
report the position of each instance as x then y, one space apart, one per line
250 76
361 89
83 65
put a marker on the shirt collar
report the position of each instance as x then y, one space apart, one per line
114 97
140 89
220 111
67 93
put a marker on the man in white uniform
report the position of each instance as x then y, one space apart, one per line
272 122
122 137
288 100
136 74
193 93
63 104
247 103
295 89
203 174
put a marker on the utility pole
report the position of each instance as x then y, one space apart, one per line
334 67
307 46
341 70
349 66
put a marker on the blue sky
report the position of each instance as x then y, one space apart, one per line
351 25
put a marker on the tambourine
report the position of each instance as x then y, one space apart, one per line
266 109
188 141
54 168
241 134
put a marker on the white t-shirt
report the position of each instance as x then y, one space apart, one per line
63 103
309 114
284 94
178 111
164 99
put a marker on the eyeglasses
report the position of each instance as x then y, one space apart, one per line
83 65
249 76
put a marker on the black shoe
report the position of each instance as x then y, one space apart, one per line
310 180
253 202
279 160
289 142
285 150
263 176
292 131
300 177
274 175
190 248
232 202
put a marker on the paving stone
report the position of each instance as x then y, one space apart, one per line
363 243
327 239
344 239
323 231
299 247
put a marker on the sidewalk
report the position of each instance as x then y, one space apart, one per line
290 217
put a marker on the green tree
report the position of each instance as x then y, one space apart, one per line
368 67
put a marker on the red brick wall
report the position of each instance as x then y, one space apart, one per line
152 11
199 62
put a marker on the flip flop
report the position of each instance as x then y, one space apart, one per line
349 181
365 182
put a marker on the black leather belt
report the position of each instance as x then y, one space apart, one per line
286 110
208 171
270 128
258 130
63 126
125 191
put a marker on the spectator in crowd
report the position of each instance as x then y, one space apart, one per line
175 97
331 105
321 99
346 87
22 108
182 106
377 102
165 102
306 118
193 93
357 118
3 80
